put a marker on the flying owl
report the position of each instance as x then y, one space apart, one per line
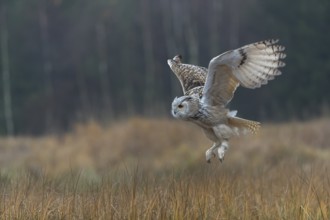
208 91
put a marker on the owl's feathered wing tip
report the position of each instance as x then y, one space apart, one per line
259 62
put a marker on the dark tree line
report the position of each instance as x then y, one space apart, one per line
64 61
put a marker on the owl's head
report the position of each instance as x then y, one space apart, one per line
185 107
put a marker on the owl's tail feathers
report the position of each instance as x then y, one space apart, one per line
244 124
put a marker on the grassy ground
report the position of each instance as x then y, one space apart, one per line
156 169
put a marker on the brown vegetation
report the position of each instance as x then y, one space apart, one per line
155 169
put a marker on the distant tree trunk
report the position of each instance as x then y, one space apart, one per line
47 65
178 12
86 111
215 20
6 72
167 28
103 69
234 24
149 61
190 34
171 47
125 93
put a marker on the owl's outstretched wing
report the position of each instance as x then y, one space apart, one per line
190 76
250 66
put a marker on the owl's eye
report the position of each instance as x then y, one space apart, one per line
180 106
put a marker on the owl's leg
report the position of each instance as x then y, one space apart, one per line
211 152
222 150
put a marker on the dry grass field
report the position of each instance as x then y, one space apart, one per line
156 169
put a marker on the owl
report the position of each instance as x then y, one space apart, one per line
207 92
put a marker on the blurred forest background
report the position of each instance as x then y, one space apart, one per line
86 91
64 61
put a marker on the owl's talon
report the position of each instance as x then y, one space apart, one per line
210 152
208 155
222 150
221 156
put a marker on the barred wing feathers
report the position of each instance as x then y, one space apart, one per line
251 66
190 76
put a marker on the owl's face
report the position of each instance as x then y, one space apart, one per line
184 107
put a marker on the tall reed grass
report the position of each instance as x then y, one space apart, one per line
155 169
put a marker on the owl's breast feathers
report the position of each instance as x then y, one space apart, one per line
209 116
